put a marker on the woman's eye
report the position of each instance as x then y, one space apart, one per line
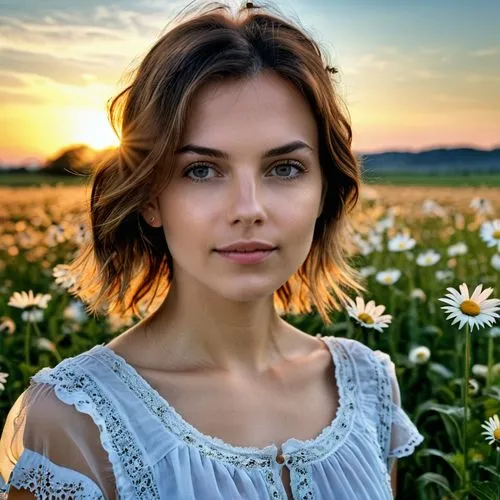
197 168
282 169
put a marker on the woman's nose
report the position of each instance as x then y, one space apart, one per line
246 200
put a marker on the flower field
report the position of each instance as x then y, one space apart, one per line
431 262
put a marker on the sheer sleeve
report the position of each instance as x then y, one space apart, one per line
404 436
51 449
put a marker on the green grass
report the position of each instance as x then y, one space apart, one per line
39 179
481 180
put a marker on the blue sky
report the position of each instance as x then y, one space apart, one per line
413 74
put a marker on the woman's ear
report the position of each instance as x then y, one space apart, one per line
151 213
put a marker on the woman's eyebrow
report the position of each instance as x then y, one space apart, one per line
217 153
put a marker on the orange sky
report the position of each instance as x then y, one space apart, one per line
412 76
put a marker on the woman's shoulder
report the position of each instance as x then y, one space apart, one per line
360 352
375 370
67 367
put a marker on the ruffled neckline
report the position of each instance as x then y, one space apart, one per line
294 450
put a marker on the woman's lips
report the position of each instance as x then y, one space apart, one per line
253 257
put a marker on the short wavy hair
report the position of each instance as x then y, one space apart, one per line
126 266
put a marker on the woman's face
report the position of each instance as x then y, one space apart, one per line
240 192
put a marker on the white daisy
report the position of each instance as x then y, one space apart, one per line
375 240
3 380
457 249
444 275
419 294
495 262
428 258
25 300
383 224
33 315
75 311
492 429
480 370
45 344
369 315
482 206
388 277
473 386
419 355
475 311
364 247
431 207
490 233
367 271
64 278
494 332
400 243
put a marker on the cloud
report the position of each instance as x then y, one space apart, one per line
10 80
61 69
419 74
481 78
65 46
431 51
368 61
490 51
425 74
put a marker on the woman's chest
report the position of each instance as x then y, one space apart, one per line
253 413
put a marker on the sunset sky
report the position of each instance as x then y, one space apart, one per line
413 74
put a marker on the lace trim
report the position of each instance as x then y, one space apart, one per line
409 447
414 438
384 405
330 438
75 387
40 478
384 412
248 457
301 482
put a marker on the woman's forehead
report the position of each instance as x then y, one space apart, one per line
254 108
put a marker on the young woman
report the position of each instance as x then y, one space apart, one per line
226 206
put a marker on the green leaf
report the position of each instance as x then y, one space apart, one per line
493 392
432 330
431 478
490 469
452 417
485 490
448 457
441 370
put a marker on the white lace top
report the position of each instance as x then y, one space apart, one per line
93 428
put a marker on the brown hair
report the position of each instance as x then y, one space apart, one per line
127 262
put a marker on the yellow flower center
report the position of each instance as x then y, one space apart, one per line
470 308
496 434
401 245
366 318
387 279
496 234
421 356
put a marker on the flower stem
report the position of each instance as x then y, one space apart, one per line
465 478
37 330
490 362
27 342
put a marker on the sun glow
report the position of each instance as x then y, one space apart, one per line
91 127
